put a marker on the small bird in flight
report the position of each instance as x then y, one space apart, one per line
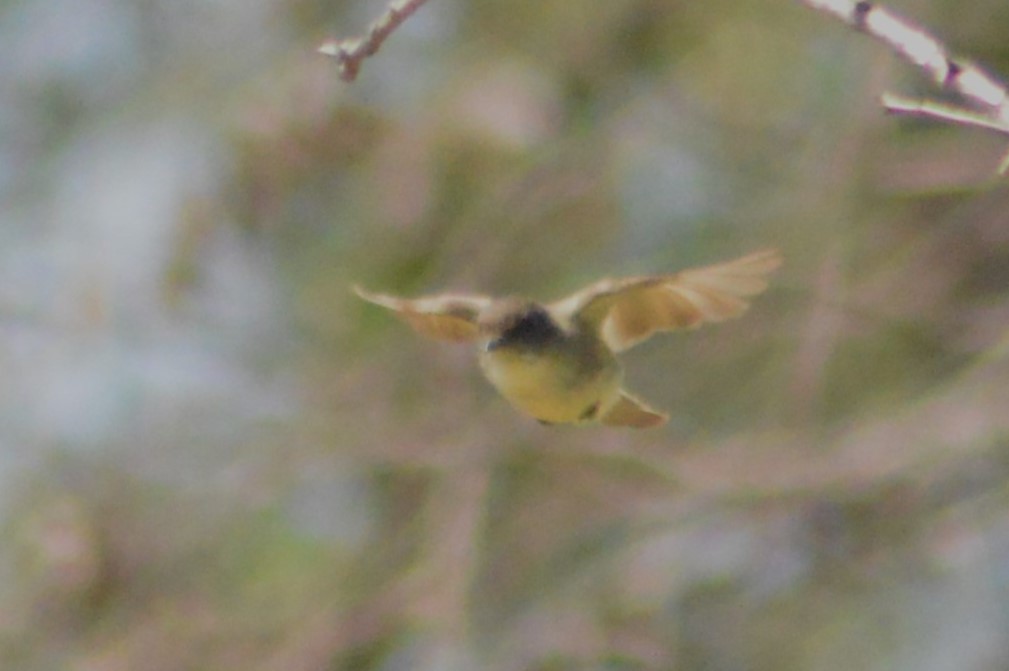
557 361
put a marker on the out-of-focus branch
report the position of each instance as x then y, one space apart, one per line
918 47
350 52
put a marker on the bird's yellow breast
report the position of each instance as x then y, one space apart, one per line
554 388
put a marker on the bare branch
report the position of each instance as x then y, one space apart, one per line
921 49
926 109
350 52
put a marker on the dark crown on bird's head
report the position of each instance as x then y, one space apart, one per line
517 321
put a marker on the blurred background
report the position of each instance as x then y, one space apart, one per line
213 456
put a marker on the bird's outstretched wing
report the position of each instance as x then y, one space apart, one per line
627 311
444 317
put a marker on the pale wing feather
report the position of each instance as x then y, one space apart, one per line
629 311
444 317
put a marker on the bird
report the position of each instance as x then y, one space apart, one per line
557 361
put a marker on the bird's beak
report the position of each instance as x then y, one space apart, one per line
493 344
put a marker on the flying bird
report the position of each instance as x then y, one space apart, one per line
557 361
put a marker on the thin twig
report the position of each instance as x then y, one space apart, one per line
918 47
927 109
350 52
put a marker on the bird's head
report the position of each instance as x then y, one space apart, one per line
514 322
